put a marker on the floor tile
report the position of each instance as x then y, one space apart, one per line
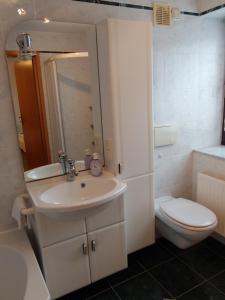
169 270
107 295
219 282
152 256
173 249
204 261
176 277
89 290
169 246
133 269
142 287
203 292
216 246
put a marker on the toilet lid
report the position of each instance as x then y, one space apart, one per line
188 212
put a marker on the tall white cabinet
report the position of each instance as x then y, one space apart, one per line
125 70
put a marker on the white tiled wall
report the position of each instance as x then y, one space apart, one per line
190 50
188 91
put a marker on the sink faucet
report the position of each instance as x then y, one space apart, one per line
68 166
62 160
71 170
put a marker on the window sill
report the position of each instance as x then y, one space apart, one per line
217 151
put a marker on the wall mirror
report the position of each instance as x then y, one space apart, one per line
53 72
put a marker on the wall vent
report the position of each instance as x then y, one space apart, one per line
162 14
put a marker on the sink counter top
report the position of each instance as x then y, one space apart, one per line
56 195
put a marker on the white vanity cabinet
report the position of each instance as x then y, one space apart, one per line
107 251
66 266
80 248
125 70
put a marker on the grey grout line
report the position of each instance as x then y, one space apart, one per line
160 264
140 264
177 256
137 275
217 274
191 268
191 289
160 284
128 279
101 292
115 292
145 270
205 280
194 271
217 288
197 286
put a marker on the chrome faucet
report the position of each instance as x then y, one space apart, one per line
71 172
68 166
62 160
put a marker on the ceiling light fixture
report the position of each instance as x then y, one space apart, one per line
46 20
21 11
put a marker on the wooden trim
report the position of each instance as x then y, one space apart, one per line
40 100
41 104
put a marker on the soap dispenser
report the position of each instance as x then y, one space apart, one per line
87 159
96 165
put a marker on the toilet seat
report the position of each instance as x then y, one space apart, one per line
183 222
186 214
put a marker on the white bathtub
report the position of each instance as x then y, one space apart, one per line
20 275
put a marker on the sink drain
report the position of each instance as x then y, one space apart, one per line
83 185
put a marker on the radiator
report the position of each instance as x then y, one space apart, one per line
211 193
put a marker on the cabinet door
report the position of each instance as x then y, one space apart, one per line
107 251
66 266
139 212
130 67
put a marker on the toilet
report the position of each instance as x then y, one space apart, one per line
183 222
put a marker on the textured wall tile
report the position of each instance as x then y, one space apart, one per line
188 92
177 97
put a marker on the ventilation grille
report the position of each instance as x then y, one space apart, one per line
162 14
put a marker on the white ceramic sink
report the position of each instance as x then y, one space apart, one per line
49 171
56 195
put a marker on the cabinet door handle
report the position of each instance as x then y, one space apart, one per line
93 245
85 249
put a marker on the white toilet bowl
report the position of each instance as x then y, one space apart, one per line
183 222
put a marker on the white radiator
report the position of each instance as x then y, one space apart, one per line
211 193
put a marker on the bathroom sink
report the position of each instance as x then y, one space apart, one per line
49 171
56 195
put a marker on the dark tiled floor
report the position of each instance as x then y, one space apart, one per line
163 271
